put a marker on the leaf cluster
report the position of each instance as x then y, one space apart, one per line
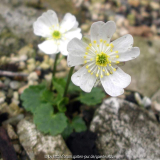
48 108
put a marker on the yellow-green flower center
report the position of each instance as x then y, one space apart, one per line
102 59
56 35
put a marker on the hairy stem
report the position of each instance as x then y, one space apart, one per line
68 81
54 69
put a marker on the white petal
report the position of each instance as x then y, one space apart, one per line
94 32
49 47
120 78
84 79
68 22
76 25
107 30
76 49
129 55
42 25
63 47
73 33
110 88
123 43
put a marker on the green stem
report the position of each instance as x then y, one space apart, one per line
60 59
54 69
68 81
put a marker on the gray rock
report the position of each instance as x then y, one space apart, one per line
16 27
14 84
19 20
126 131
144 70
156 96
38 145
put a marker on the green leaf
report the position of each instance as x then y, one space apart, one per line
67 131
48 96
62 104
59 85
31 97
78 124
93 98
73 89
47 122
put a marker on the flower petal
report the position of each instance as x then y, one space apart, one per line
42 25
123 43
84 79
129 54
107 30
68 22
49 47
73 33
94 32
120 78
76 49
110 88
63 47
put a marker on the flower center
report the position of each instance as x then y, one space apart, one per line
56 35
102 59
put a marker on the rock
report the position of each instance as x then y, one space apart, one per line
26 50
31 82
144 70
2 97
20 91
19 19
44 66
13 109
156 96
33 76
48 77
14 85
22 65
7 81
154 5
31 67
17 148
11 133
126 131
140 31
36 144
156 106
15 98
146 102
13 120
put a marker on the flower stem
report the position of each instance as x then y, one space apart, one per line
68 81
54 69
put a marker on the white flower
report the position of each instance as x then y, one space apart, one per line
57 35
101 58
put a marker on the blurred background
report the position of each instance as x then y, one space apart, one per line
141 18
22 64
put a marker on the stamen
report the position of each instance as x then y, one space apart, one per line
111 45
87 48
